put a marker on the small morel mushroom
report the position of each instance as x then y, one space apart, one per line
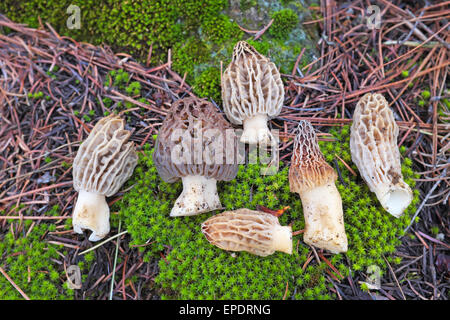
374 149
314 180
252 93
195 143
256 232
103 163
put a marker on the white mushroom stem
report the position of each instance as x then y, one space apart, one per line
256 130
199 195
324 219
91 212
282 239
394 198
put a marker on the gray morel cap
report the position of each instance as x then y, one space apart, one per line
104 161
252 92
195 143
374 149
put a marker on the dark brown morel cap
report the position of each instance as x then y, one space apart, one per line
308 166
195 139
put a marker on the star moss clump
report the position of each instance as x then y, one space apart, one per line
192 268
27 259
284 21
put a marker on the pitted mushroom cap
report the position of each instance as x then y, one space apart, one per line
374 149
308 166
251 85
203 148
374 133
248 230
104 160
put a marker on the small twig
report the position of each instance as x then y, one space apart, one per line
34 217
115 263
261 32
425 200
395 278
14 284
286 291
103 242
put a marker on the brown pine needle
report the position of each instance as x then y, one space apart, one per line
14 284
330 265
346 165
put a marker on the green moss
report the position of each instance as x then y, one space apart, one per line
219 28
28 262
134 89
208 84
446 103
434 230
200 34
124 24
364 287
426 94
189 54
194 269
284 21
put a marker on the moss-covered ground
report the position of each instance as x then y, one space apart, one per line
33 263
191 268
200 34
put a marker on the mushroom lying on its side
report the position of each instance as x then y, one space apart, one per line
252 93
256 232
374 149
193 145
314 180
103 163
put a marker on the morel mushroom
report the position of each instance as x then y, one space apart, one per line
252 93
256 232
374 150
314 180
195 143
103 163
